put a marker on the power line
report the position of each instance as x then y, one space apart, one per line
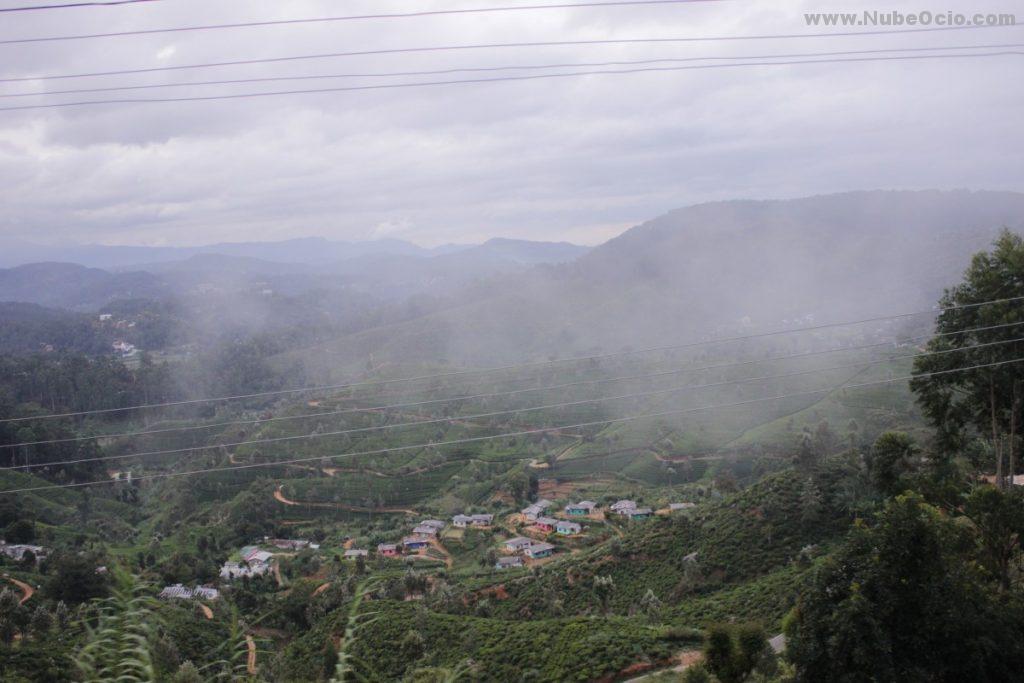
502 368
532 77
549 387
514 67
351 17
111 3
489 46
513 411
527 432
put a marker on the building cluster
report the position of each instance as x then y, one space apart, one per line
532 512
559 526
254 562
628 508
180 592
463 521
18 551
521 546
124 348
294 544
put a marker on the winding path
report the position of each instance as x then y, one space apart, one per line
27 591
280 497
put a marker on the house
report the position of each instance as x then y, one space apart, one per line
436 523
680 506
177 591
293 544
508 562
387 549
461 521
567 528
17 551
251 553
546 524
104 317
639 513
532 512
237 570
481 520
623 506
518 544
205 593
124 348
580 509
539 550
353 553
425 530
414 542
180 592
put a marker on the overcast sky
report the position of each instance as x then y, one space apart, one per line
578 159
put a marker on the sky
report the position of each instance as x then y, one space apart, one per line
578 159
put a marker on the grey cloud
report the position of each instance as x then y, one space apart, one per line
552 159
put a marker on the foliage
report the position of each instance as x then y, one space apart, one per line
901 601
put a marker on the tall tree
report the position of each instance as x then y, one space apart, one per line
983 399
902 601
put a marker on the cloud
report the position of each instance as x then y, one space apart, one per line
565 158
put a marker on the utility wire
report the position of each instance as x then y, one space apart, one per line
501 79
351 17
491 46
499 394
526 432
502 368
71 5
513 411
513 67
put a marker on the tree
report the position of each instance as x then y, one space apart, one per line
75 579
999 519
890 461
41 623
12 616
902 601
732 652
987 399
20 531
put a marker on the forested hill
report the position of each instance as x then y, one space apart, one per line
706 270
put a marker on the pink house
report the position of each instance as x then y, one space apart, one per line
545 524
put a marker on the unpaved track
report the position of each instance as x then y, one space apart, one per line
27 591
280 497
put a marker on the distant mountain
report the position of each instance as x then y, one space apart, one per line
711 270
74 287
523 252
307 250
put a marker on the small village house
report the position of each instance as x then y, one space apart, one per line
180 592
353 553
461 521
580 509
539 550
639 513
564 528
508 562
481 520
425 530
518 544
387 549
623 507
545 524
414 542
